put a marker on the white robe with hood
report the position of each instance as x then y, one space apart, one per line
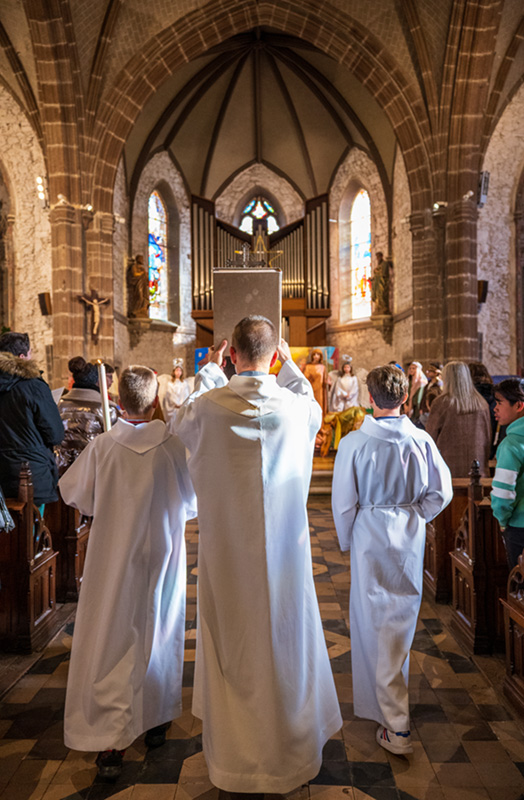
263 682
389 480
125 675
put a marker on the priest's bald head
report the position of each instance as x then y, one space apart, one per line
254 344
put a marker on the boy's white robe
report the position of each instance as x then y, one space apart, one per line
263 682
389 480
125 674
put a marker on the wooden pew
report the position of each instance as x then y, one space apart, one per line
513 609
479 572
440 538
28 613
70 532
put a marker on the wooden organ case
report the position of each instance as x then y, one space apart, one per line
300 250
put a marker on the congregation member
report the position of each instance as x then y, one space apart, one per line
432 389
483 383
81 412
263 682
30 425
459 422
507 495
344 393
389 480
125 675
417 382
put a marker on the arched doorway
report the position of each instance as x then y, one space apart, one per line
519 262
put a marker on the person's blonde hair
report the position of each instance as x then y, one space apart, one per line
137 388
458 386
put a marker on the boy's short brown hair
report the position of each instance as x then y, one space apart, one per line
137 388
387 386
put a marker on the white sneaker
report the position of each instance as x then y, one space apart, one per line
398 743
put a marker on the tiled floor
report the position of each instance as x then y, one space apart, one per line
467 744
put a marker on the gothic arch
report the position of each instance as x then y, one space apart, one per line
498 246
30 233
326 27
356 172
253 178
160 173
519 265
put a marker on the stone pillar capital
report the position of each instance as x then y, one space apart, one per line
63 213
419 222
462 212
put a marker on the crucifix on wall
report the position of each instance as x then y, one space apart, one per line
95 302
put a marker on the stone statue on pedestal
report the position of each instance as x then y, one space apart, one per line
380 286
137 280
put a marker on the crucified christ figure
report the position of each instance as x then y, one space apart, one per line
95 302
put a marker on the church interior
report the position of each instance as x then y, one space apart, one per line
146 146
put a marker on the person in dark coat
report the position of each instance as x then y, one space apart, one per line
483 383
30 424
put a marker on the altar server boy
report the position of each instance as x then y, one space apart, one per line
389 480
125 675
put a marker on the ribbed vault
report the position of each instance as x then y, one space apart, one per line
260 97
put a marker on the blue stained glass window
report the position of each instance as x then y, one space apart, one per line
258 208
157 229
360 256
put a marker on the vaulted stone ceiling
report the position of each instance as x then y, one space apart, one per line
260 97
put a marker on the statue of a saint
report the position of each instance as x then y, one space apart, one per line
380 284
137 279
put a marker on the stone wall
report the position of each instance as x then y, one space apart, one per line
227 204
21 161
120 252
504 161
402 252
358 339
155 343
401 240
356 172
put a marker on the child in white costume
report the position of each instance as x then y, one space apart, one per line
125 675
389 480
176 393
345 392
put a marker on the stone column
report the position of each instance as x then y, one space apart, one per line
99 230
68 311
460 290
428 335
519 269
10 271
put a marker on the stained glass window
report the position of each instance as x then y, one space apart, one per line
157 228
360 256
258 208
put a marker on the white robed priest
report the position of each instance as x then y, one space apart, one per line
125 675
389 480
263 682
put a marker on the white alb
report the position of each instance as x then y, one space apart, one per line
263 682
125 675
389 480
